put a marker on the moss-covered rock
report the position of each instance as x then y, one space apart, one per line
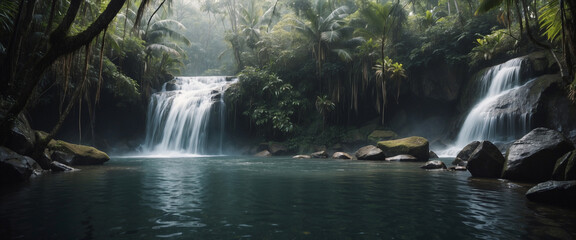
415 146
77 154
381 135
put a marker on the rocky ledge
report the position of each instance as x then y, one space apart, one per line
17 164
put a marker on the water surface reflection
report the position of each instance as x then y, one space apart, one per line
273 198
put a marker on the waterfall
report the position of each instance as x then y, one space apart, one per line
497 117
187 117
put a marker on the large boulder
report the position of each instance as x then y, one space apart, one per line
565 168
532 158
415 146
21 138
562 193
370 152
15 167
74 154
434 164
464 154
486 161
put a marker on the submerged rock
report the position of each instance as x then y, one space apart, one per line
302 156
486 161
434 164
15 167
74 154
403 158
342 155
562 193
457 168
532 158
60 167
370 152
415 146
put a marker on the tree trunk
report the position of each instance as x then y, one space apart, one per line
60 45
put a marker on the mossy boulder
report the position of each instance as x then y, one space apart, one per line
74 154
381 135
415 146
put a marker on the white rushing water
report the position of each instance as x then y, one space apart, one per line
486 120
187 117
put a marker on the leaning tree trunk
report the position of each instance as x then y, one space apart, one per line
61 45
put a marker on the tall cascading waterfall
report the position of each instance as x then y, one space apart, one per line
187 117
492 118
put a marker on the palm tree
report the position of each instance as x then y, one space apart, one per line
324 106
322 27
558 20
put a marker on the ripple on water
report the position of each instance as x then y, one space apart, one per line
275 198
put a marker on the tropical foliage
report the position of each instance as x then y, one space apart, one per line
300 62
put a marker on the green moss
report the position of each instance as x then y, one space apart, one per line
78 150
415 146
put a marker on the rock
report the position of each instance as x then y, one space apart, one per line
277 149
173 85
342 155
457 168
21 138
403 158
60 167
434 164
532 158
486 161
432 154
562 193
264 153
320 154
73 154
302 156
15 167
381 135
415 146
462 156
370 152
565 169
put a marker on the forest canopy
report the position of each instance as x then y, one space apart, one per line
333 62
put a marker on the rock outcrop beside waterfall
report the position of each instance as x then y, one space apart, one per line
533 157
16 164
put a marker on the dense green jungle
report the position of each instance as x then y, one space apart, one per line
310 70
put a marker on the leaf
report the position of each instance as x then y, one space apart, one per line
487 5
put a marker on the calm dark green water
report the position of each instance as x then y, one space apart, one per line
273 198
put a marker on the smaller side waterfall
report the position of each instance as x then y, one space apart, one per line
487 120
187 117
497 116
